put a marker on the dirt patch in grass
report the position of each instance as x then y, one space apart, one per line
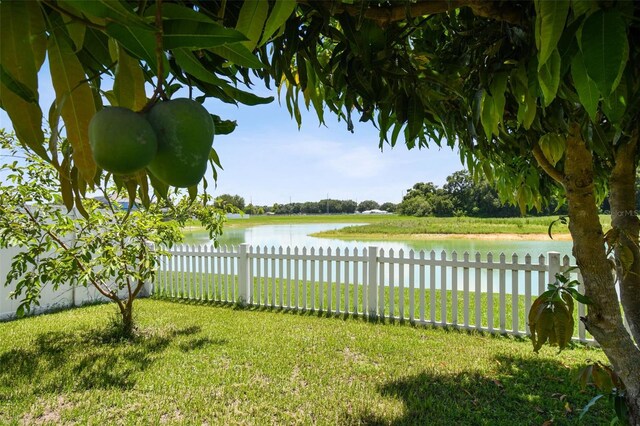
51 414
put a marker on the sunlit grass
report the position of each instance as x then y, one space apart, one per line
197 364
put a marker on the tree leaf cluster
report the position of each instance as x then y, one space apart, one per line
551 314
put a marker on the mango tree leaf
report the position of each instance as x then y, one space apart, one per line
415 117
586 408
139 42
191 65
489 117
160 188
579 297
238 54
176 11
223 127
76 31
553 146
282 10
551 17
582 7
498 87
549 77
65 185
113 10
615 105
197 35
95 52
251 20
24 92
585 86
37 29
128 86
20 73
77 110
246 98
193 192
605 48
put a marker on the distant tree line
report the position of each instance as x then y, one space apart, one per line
461 195
326 206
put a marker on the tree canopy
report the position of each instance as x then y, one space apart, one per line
542 97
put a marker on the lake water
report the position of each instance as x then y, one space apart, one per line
299 236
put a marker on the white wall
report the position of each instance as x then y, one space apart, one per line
65 296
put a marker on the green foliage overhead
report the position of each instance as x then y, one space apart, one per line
540 97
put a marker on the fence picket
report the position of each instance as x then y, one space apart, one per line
391 283
347 283
320 279
465 288
256 281
356 286
478 293
412 291
490 291
421 272
329 283
338 292
443 288
527 292
296 277
454 290
304 279
273 277
280 278
381 282
313 279
401 265
515 298
503 293
432 286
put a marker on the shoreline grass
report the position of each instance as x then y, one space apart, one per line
193 363
394 227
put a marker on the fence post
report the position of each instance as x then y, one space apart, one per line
244 287
372 284
553 258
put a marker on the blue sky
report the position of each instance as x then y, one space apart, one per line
267 160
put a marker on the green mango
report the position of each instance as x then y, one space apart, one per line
185 132
121 140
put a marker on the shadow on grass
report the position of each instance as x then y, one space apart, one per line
522 391
94 359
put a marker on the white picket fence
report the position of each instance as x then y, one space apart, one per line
465 292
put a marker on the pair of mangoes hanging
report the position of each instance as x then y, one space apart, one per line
172 141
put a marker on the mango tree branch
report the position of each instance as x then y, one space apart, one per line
385 15
83 268
554 173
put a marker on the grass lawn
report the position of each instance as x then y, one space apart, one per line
317 297
403 226
204 364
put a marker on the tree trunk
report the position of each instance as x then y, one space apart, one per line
624 220
604 319
127 319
